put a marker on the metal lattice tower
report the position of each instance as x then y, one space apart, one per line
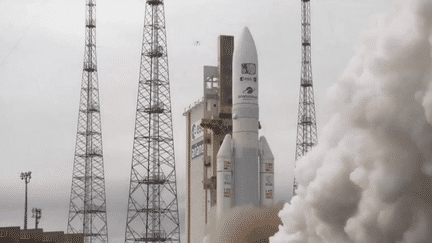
87 208
306 126
152 214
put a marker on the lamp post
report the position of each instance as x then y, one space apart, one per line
37 214
26 177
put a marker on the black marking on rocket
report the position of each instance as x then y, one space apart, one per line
248 90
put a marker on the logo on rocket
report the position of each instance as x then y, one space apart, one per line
248 68
227 179
248 90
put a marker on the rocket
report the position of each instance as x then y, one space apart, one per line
245 172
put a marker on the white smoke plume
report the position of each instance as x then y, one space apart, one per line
370 178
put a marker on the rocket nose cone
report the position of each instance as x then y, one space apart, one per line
225 148
246 44
246 32
266 152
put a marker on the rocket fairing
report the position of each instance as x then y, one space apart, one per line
246 158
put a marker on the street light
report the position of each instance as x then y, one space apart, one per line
26 177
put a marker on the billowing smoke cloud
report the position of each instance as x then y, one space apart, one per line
245 224
370 179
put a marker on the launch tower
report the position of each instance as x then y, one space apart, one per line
87 208
306 126
207 122
152 214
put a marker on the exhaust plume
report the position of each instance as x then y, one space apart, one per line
370 179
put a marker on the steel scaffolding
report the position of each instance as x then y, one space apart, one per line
152 214
87 208
306 126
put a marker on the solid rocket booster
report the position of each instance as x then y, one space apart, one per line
224 176
245 121
266 173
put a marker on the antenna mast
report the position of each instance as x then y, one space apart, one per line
26 177
152 214
87 208
306 126
37 214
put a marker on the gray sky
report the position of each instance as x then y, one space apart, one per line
41 55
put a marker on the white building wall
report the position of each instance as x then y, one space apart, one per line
195 194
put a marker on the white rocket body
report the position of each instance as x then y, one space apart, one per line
249 184
245 121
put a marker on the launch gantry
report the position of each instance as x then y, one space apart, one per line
306 126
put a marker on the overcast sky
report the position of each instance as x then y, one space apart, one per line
41 55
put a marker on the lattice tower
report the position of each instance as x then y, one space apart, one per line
87 208
306 126
152 214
